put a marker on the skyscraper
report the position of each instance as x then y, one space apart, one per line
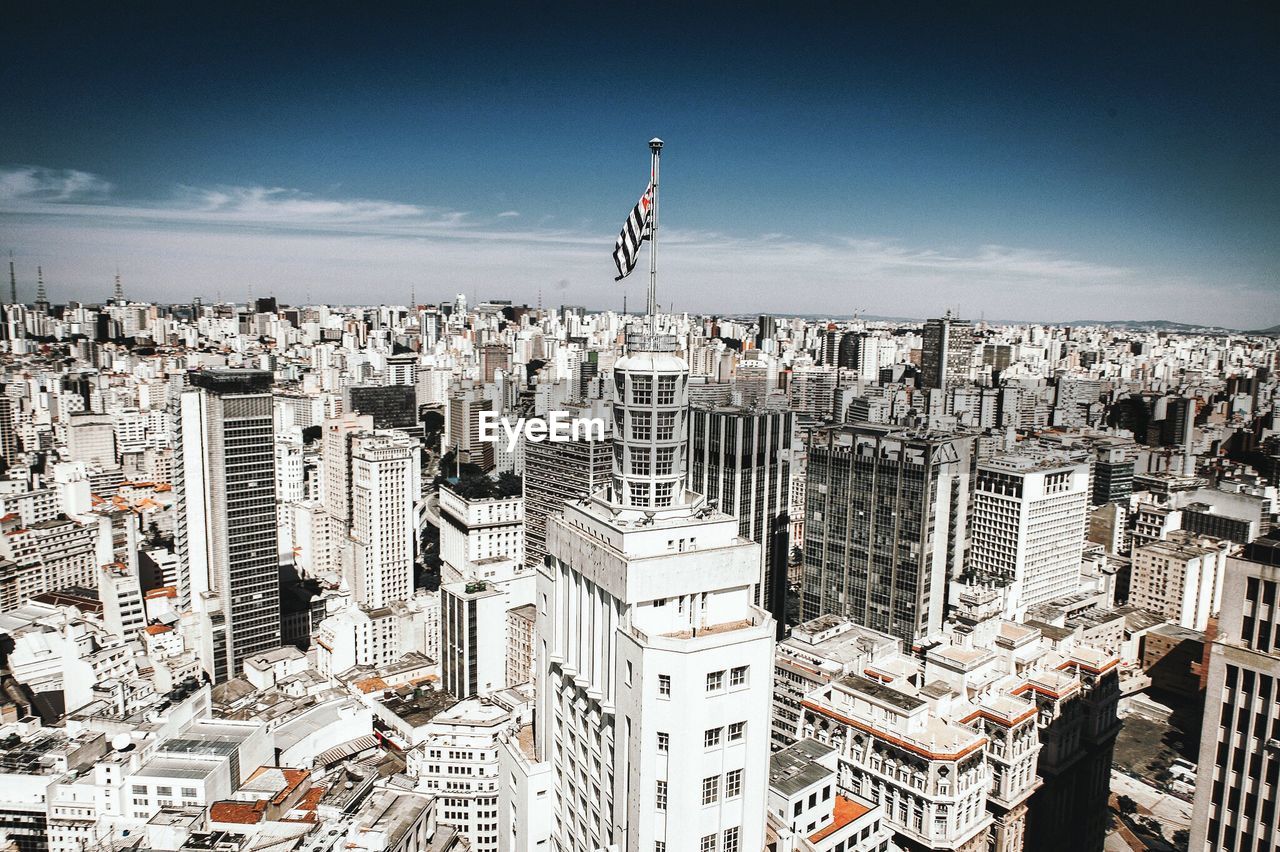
556 472
225 530
885 517
1026 527
1235 803
654 666
947 352
386 479
738 460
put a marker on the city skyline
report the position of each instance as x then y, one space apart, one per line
1047 169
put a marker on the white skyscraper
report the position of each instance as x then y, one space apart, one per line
385 481
1027 524
655 668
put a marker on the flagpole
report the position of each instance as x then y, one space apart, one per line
655 146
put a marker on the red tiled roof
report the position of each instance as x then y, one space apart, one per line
846 811
242 813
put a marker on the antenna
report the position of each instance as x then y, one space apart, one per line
41 296
119 295
13 281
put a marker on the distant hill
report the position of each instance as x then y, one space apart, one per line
1273 331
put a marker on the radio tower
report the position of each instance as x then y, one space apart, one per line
13 282
42 300
119 296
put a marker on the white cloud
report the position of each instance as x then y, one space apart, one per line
35 184
291 243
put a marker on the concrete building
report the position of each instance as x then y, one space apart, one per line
225 534
1180 578
655 667
1027 527
476 530
947 353
386 483
1235 802
808 814
556 472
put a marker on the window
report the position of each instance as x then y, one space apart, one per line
664 686
660 797
664 742
715 681
188 792
731 839
710 789
164 791
139 790
708 843
711 737
659 846
738 676
737 731
627 679
733 784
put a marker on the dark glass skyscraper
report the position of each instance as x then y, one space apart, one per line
885 514
738 458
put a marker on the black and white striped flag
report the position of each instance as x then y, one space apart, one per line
635 231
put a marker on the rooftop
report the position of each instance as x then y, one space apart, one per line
796 767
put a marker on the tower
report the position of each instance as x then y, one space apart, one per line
225 528
385 479
118 297
42 298
13 282
947 351
654 666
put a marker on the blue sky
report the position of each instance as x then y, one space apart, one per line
1089 162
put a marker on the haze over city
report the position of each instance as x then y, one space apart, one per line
1085 163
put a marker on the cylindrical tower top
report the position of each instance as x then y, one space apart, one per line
650 423
655 144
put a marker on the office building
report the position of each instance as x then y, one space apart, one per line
947 353
885 516
1235 802
739 461
1027 521
225 533
1180 577
386 481
556 472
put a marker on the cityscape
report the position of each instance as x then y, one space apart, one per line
661 498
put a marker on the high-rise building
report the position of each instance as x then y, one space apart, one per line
465 406
9 444
392 406
225 530
336 436
947 352
1112 476
885 517
385 482
556 472
1027 525
1235 803
1180 577
739 461
811 392
654 666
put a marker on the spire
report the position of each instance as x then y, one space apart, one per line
119 295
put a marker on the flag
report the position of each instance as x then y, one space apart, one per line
635 231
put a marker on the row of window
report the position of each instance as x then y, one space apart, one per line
715 680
